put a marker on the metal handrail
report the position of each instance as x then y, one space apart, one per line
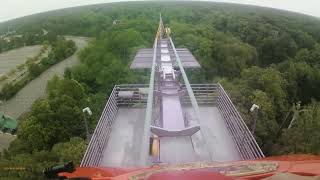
100 137
204 94
237 127
255 145
137 98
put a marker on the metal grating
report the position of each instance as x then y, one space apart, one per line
143 59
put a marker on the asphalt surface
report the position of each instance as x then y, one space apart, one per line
23 100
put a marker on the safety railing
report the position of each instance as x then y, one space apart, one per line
100 137
246 144
139 94
205 94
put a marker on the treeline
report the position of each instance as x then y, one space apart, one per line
51 133
15 40
60 50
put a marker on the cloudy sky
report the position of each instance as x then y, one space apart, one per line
10 9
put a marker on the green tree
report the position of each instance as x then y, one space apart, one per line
268 80
267 126
70 151
303 136
34 69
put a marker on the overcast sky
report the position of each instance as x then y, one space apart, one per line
10 9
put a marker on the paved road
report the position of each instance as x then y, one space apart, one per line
21 73
23 100
11 59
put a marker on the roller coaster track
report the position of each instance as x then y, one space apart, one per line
182 122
